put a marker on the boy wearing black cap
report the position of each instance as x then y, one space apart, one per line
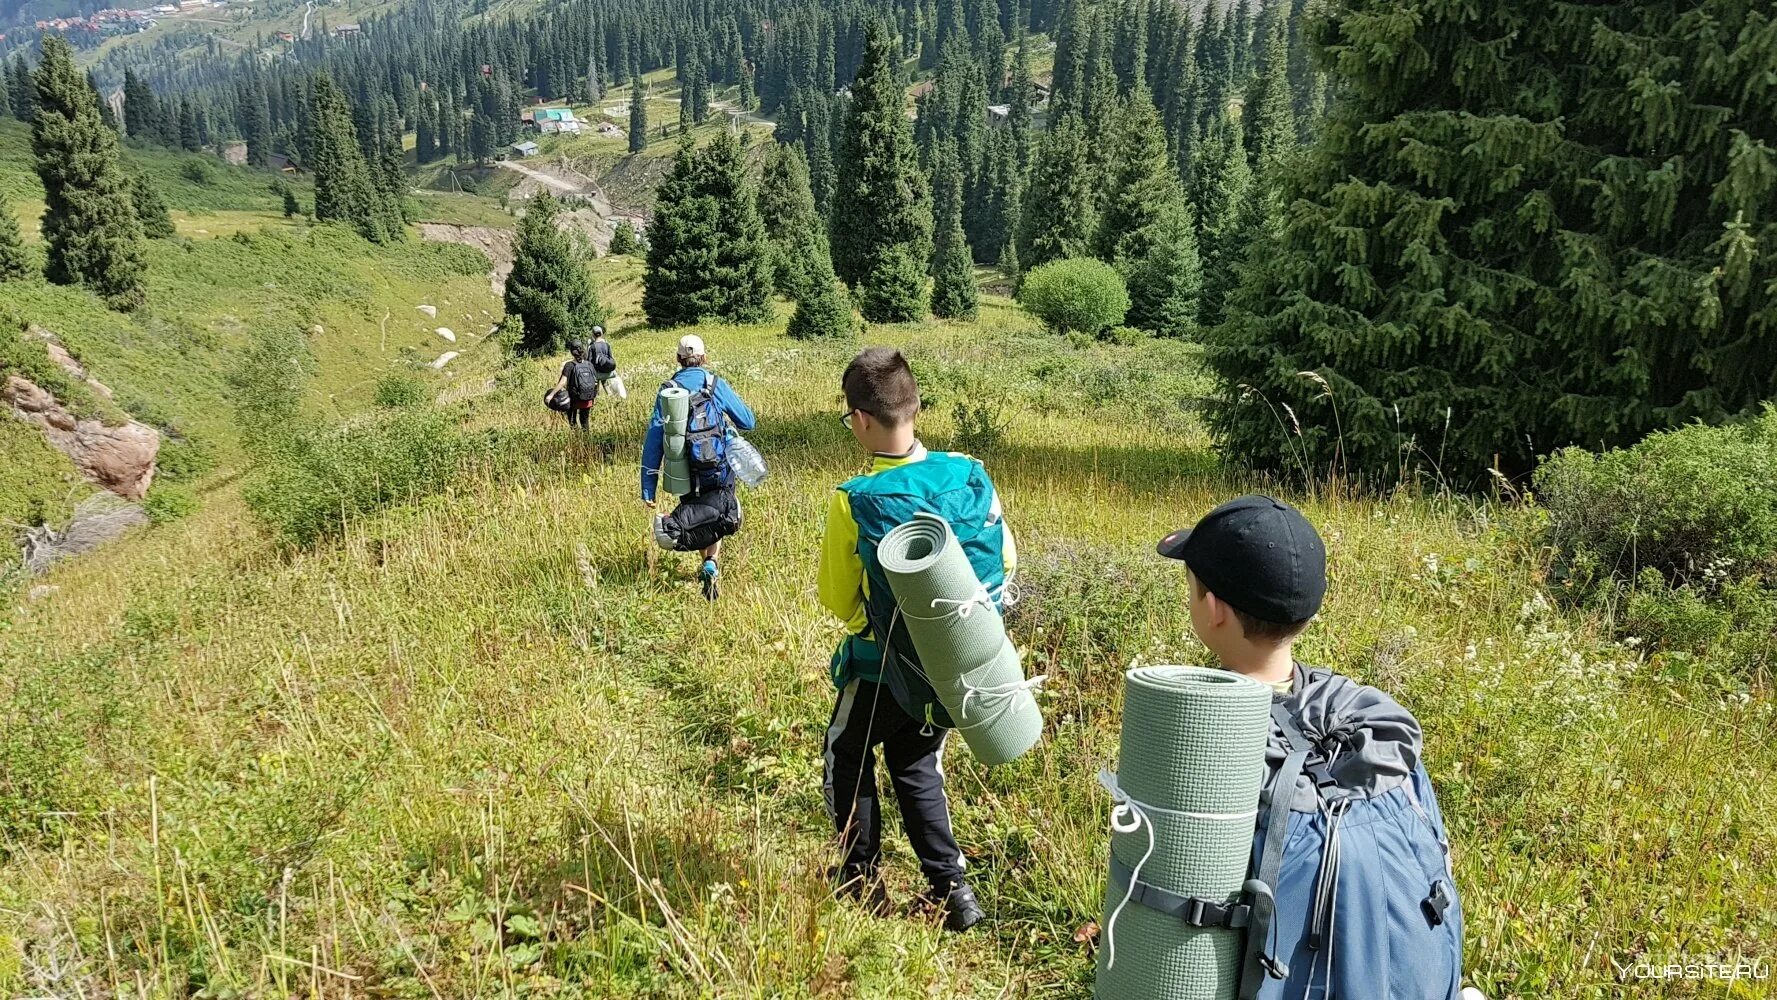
1366 905
1258 573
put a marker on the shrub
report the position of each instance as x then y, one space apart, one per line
169 502
1079 294
1691 503
398 390
268 382
1678 536
325 477
197 172
624 241
183 460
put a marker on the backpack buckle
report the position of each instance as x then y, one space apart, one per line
1436 903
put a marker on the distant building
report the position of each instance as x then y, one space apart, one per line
550 121
346 30
281 163
192 4
286 36
524 149
999 114
165 8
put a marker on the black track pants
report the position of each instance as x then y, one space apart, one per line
866 717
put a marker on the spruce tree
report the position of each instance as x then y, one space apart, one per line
624 241
150 209
882 224
707 252
190 138
1491 252
292 207
549 287
1059 219
1166 283
141 112
1222 191
786 207
344 190
22 90
106 114
15 265
90 230
824 311
954 295
1142 184
638 115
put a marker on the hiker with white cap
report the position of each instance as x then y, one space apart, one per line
710 512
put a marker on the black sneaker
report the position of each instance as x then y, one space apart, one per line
960 907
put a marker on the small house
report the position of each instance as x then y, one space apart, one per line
524 149
999 114
554 121
610 131
347 30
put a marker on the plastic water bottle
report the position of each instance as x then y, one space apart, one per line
746 461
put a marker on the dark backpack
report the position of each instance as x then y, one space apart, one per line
706 438
583 381
602 360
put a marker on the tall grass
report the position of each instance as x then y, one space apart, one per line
482 745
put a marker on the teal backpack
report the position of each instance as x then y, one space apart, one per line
956 488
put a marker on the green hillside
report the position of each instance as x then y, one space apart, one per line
481 745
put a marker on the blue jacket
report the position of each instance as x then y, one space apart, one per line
740 416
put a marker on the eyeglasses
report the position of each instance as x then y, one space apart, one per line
846 417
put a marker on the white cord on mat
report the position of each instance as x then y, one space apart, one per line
1129 815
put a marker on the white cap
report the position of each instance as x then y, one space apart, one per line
690 345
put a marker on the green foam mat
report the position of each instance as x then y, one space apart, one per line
675 414
971 664
1191 761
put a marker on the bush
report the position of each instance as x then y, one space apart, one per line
323 478
1693 503
268 381
1080 294
624 241
399 390
169 502
183 460
197 172
1678 536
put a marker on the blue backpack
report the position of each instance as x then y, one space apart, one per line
1350 894
706 439
1356 861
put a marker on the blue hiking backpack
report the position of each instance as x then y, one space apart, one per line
1352 848
1350 894
706 439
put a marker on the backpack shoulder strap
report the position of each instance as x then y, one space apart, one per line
1260 964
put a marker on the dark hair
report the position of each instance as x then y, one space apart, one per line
879 382
1254 627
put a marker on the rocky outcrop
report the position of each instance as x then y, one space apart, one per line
52 346
121 459
97 520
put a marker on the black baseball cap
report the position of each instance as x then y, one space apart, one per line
1258 554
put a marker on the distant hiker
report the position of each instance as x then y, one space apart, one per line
605 363
711 511
1359 862
883 699
580 381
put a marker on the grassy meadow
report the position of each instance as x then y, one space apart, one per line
489 743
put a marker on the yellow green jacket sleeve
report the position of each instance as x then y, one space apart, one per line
840 582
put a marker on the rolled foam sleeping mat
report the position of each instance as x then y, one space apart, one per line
675 414
963 649
1192 760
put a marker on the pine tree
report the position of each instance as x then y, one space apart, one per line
106 115
15 265
1598 295
549 287
90 228
344 190
882 226
256 127
150 209
1222 191
1067 91
1166 283
624 241
292 207
1142 188
638 115
5 94
954 294
707 252
1059 218
786 207
141 111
